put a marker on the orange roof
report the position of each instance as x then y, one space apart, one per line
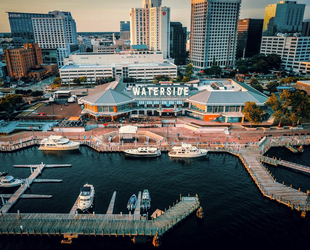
74 118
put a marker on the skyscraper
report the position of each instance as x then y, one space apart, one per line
55 33
213 32
150 25
21 27
178 35
249 37
284 17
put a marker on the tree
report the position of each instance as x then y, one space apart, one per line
252 113
57 81
189 70
272 87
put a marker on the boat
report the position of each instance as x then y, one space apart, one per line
187 151
7 180
146 200
143 152
57 142
86 197
132 202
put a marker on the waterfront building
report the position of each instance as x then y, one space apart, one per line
207 100
150 25
294 51
284 17
213 32
19 61
305 28
249 37
138 63
178 35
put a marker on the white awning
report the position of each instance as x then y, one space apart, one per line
128 130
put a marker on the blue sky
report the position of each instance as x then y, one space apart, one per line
104 15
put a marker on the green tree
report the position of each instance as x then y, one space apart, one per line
252 112
272 87
189 70
57 81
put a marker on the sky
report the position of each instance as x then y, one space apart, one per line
105 15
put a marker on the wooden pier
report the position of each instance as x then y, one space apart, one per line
35 171
72 226
290 165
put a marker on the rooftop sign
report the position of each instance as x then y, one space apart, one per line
160 91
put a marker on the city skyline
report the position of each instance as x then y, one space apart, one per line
104 16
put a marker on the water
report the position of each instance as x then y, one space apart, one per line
236 214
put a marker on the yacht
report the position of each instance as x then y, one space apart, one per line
187 151
146 200
7 180
143 152
132 202
86 197
57 142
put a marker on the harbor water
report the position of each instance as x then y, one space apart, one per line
236 214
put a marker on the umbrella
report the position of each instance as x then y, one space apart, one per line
105 124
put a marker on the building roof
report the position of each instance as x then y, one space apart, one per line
223 97
105 96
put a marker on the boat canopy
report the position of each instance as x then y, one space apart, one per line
85 189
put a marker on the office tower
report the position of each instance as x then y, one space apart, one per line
213 32
284 17
20 60
56 33
306 28
178 35
124 30
124 26
21 27
294 51
249 37
150 25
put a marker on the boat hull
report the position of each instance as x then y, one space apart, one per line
171 155
141 155
59 148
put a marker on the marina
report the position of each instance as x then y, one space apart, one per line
133 225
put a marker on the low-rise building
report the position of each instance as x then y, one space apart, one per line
137 63
207 100
303 85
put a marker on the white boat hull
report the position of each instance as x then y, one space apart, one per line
136 153
16 183
188 155
74 146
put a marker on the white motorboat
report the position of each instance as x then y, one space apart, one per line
132 202
143 152
86 197
57 142
146 200
187 151
7 180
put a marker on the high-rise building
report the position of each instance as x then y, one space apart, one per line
292 50
249 37
124 26
21 27
178 35
150 25
55 33
20 60
284 17
213 32
305 28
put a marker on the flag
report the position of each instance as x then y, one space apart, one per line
262 148
281 138
122 142
147 143
172 143
225 144
84 137
304 138
109 144
20 140
197 144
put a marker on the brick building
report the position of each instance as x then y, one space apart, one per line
19 61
